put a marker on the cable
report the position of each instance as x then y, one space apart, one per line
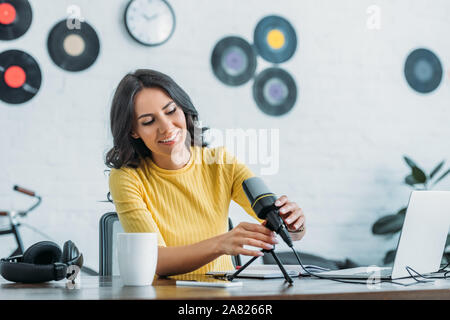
344 281
409 269
443 268
429 277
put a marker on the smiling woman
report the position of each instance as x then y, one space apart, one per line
162 130
128 120
163 181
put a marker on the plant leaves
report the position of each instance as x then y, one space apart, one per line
419 175
435 170
446 256
447 243
402 211
388 224
442 177
389 257
410 180
410 163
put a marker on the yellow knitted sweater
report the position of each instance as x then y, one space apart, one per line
182 206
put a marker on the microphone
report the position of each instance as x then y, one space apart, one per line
263 204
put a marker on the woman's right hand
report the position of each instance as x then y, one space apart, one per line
245 233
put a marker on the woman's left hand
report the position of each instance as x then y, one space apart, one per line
293 216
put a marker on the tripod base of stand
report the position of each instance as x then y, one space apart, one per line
280 265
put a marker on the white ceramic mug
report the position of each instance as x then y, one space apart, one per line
137 254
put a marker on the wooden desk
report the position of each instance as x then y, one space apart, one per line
107 288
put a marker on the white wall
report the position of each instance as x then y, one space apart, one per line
341 146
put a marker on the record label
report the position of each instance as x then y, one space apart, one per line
15 77
15 18
423 70
233 61
20 77
73 49
7 13
275 92
275 39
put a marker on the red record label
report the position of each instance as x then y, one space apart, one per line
15 18
20 77
7 13
15 77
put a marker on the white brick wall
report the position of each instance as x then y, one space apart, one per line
341 146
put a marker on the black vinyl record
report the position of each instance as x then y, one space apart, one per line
73 47
423 70
275 39
275 91
233 61
15 18
20 77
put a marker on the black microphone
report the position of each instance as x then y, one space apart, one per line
263 204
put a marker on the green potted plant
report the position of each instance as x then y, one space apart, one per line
418 180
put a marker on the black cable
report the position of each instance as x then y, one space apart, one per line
443 268
429 277
409 269
344 281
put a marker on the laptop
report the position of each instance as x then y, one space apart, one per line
421 243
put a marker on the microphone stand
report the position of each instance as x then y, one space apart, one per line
280 265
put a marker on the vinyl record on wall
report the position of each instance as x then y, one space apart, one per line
275 91
20 77
73 49
233 61
15 18
275 39
423 70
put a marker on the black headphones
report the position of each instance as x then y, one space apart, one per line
42 262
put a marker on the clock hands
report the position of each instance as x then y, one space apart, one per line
148 18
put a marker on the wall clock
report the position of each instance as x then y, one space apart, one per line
149 22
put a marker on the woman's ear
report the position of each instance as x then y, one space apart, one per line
134 135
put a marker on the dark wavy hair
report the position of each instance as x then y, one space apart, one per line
128 151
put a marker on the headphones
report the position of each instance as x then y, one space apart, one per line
43 262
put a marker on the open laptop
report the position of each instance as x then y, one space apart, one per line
421 243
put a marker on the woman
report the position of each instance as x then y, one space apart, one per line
165 180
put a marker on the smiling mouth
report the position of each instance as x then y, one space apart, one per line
170 139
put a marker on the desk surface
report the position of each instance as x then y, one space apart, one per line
106 288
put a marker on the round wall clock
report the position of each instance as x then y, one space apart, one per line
150 22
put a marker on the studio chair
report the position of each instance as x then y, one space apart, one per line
109 227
